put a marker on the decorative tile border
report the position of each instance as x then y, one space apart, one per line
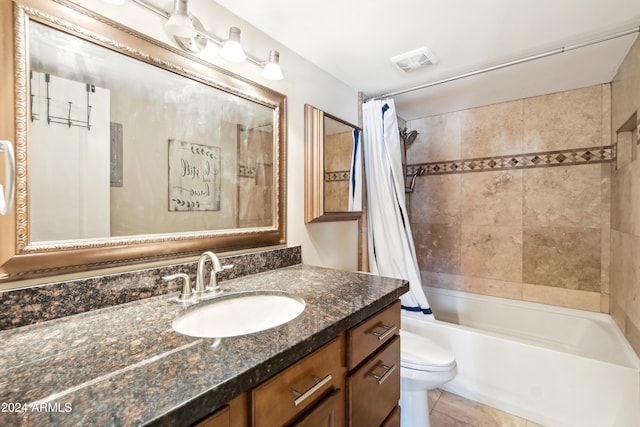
337 176
247 172
251 171
603 154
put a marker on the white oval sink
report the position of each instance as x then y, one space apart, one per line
238 314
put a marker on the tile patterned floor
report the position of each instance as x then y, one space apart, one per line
449 410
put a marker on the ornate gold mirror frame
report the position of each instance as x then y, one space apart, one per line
20 257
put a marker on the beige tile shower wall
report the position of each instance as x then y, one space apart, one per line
539 234
337 166
255 178
625 203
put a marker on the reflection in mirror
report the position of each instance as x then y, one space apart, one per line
129 150
333 170
342 166
123 148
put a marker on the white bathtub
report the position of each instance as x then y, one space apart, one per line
551 365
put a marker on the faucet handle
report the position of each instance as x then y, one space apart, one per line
186 293
214 286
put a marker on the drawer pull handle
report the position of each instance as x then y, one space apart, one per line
386 375
388 330
301 397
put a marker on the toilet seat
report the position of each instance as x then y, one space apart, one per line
420 353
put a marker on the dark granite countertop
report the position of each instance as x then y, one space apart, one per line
125 365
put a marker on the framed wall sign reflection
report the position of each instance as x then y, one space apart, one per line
156 92
194 177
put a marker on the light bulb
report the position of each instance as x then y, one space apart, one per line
179 23
232 49
272 69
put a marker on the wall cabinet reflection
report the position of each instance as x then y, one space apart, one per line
333 168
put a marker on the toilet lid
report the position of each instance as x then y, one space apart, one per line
419 352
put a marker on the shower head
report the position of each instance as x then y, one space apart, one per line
408 137
411 136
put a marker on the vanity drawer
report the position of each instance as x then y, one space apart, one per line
366 337
283 398
373 390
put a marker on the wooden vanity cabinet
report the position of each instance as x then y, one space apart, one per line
354 380
373 361
393 420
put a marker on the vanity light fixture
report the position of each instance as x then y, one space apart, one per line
272 69
231 48
179 23
190 35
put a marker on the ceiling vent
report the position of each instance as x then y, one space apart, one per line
415 59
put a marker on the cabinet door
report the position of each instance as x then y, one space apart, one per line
327 413
221 418
374 389
393 420
233 414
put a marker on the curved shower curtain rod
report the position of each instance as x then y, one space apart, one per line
510 63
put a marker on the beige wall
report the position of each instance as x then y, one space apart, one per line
512 203
147 127
625 202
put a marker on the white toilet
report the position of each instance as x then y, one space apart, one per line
424 365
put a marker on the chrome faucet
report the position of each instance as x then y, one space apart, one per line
190 294
213 287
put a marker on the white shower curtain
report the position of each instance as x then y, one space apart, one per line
391 249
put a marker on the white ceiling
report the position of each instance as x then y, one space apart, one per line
354 39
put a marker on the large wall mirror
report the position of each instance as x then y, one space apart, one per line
128 149
333 168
